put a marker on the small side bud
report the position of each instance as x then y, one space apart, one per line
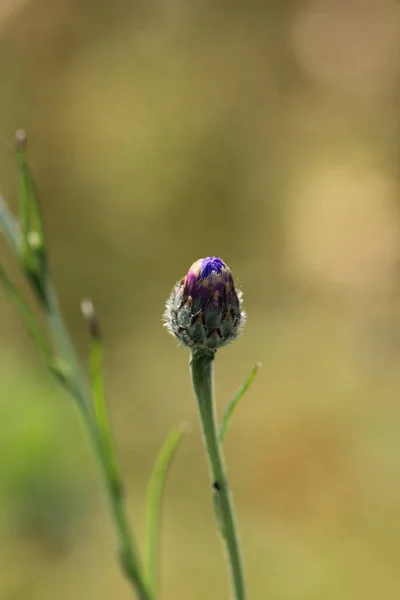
35 240
21 139
89 314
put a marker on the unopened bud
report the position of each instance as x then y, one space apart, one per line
35 240
21 139
89 313
204 310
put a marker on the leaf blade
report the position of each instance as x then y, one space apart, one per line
238 395
28 316
10 226
154 503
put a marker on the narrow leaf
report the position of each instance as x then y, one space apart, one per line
235 401
102 439
154 503
10 226
57 367
101 418
32 248
101 414
28 317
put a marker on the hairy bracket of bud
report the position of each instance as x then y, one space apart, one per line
204 310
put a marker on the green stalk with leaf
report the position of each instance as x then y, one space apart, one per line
203 322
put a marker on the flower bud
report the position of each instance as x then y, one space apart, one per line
204 310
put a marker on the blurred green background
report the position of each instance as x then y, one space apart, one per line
160 132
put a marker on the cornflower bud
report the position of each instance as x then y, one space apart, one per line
204 310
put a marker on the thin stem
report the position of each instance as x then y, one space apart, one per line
201 368
65 349
102 446
30 247
111 472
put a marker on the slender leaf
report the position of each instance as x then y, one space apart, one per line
10 226
235 401
28 317
31 218
102 438
154 503
101 413
58 368
32 249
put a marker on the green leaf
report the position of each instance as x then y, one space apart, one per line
28 317
235 401
10 226
32 247
154 502
101 415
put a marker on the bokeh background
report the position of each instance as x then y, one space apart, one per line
163 131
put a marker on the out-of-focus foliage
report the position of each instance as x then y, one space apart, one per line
161 132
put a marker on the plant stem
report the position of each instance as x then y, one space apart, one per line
27 240
201 368
103 448
111 474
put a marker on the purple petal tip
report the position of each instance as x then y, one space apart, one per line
211 263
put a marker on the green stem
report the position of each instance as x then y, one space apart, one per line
201 368
65 349
66 366
115 495
111 474
102 446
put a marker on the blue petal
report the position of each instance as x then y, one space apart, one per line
211 263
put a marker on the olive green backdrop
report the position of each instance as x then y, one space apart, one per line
161 132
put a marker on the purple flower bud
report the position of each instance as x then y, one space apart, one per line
204 310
